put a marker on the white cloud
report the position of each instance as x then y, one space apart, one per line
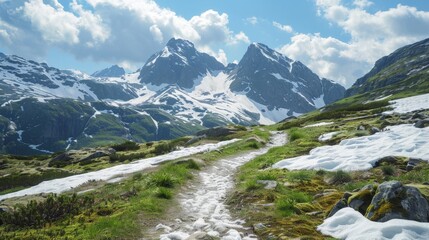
240 37
362 3
109 30
372 36
285 28
252 20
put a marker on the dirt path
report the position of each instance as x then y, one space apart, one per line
201 212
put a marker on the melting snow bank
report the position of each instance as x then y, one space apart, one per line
64 184
327 136
203 209
319 124
350 224
363 152
409 104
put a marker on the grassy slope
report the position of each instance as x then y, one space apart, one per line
122 209
292 210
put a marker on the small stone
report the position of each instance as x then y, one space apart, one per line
374 130
413 162
270 185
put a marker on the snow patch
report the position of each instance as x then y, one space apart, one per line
327 136
349 224
363 152
409 104
319 124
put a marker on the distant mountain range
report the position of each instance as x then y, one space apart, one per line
177 92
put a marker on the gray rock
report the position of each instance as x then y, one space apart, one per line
374 130
421 123
268 184
342 203
396 201
360 128
413 162
258 227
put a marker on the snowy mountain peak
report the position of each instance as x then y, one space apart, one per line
178 63
179 44
284 86
113 71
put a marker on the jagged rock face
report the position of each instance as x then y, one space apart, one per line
273 80
178 63
113 71
405 67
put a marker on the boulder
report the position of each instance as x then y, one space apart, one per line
422 123
396 201
361 200
342 203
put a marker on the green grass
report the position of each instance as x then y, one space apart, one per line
120 208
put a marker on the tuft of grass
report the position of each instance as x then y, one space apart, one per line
193 165
296 133
341 177
300 176
252 185
388 170
162 179
164 193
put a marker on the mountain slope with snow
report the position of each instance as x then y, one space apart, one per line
281 84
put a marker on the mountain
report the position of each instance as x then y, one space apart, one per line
281 84
22 78
178 63
178 92
113 71
406 69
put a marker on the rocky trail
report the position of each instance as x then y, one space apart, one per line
201 211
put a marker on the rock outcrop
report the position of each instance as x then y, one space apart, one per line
389 200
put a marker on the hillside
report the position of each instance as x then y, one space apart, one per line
405 70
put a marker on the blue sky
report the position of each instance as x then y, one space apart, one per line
337 39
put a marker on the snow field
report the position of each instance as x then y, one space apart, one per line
363 152
409 104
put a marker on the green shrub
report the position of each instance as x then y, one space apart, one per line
340 177
163 148
251 185
164 193
191 164
162 179
126 146
37 214
286 206
388 170
295 133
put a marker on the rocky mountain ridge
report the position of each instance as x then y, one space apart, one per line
177 92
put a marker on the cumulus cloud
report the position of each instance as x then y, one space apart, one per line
123 31
372 36
285 28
